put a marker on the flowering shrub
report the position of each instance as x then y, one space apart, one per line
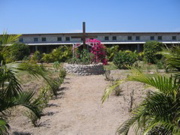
98 50
95 54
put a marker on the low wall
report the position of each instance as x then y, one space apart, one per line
92 69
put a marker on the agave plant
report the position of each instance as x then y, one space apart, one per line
159 113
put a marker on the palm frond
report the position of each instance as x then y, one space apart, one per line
26 99
163 128
9 84
8 39
40 71
162 83
3 127
33 69
172 56
110 89
137 116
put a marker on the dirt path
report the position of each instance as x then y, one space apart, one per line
79 111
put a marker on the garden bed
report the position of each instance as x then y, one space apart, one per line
83 70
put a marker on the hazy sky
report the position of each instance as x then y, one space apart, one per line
56 16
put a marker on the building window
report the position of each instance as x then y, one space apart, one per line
59 39
173 37
114 38
106 38
21 40
67 38
151 37
138 38
43 39
159 37
35 39
129 38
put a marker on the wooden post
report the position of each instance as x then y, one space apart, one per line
84 35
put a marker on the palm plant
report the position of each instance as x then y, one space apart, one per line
172 57
11 94
159 113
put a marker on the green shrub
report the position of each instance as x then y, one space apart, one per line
62 73
111 51
61 54
19 51
141 56
36 56
150 51
124 59
56 66
15 52
82 57
47 58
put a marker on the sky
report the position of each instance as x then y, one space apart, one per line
64 16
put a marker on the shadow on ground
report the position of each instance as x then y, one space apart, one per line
21 133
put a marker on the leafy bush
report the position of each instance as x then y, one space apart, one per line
150 51
61 54
36 56
47 58
19 51
15 52
62 73
124 59
82 57
111 51
141 56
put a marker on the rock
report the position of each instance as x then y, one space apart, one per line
83 70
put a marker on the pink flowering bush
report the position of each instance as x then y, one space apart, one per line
98 50
96 53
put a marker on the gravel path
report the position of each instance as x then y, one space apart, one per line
78 110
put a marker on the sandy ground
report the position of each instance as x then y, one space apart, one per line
78 109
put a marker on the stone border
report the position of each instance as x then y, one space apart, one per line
83 70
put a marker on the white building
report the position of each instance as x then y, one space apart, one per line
45 42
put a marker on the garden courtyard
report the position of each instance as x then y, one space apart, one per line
89 89
78 109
